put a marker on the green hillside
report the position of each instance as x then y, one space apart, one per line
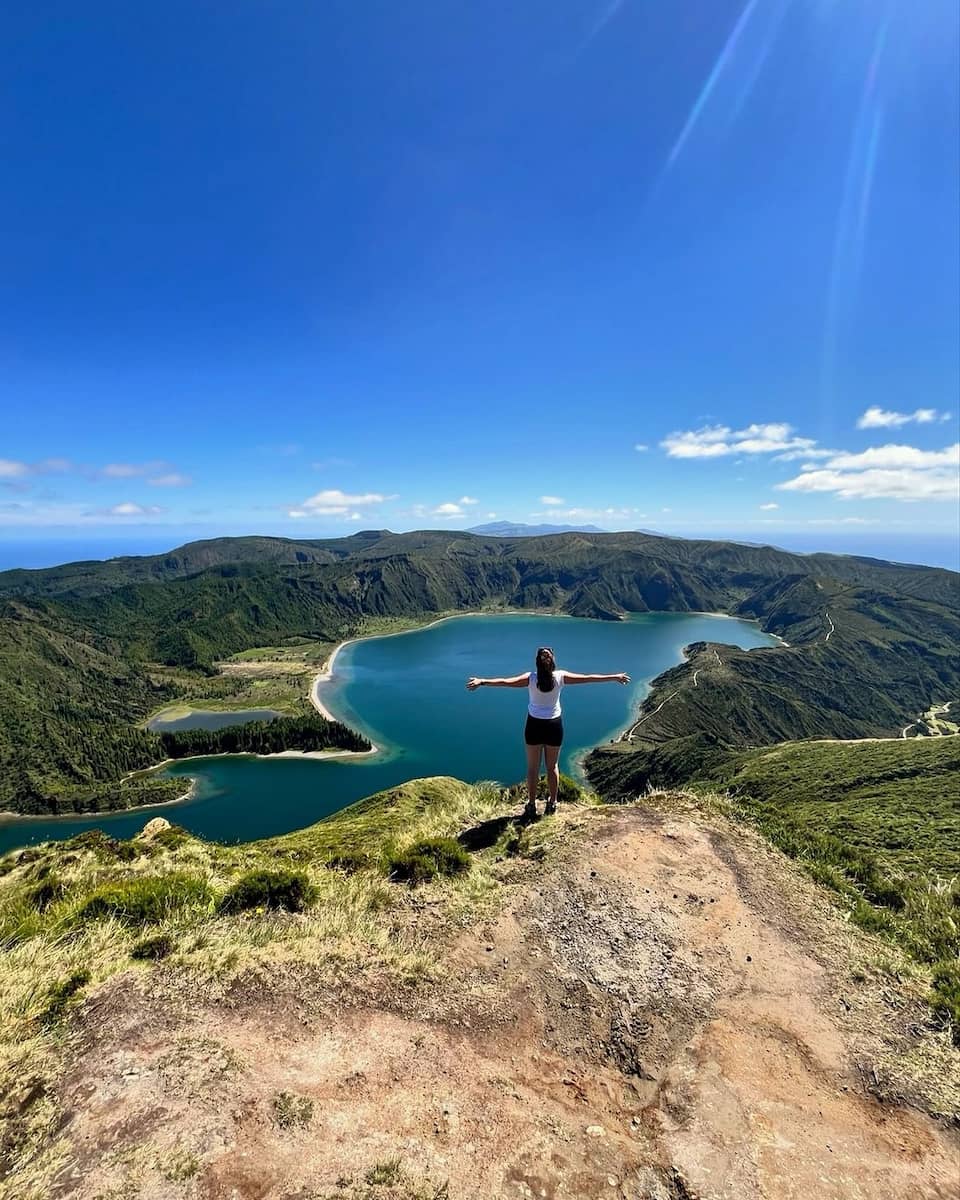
872 644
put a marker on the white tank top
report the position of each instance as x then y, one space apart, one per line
545 705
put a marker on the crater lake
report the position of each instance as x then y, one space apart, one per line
407 693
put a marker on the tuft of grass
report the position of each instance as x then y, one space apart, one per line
62 994
172 837
352 861
945 996
179 1166
265 888
49 890
428 858
292 1112
385 1174
106 848
159 945
146 900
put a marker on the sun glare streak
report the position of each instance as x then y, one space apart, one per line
854 213
711 81
774 23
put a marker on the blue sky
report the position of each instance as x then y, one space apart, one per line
302 269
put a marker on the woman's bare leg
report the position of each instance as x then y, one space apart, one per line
551 754
533 775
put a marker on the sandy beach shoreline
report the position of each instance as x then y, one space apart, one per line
326 674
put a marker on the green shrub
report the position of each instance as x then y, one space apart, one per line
141 901
290 890
945 997
408 867
352 861
160 945
426 859
61 994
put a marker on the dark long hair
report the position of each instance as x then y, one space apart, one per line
546 665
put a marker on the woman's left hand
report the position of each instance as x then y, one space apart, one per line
473 683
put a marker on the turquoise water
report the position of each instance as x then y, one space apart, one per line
201 718
407 694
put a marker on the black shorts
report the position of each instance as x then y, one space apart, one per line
540 731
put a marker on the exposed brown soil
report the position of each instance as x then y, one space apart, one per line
652 1015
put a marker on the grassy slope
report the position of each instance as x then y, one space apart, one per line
897 799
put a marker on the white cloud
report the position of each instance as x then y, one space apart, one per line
717 441
878 418
332 502
806 452
326 464
448 510
552 500
172 479
885 472
11 469
491 516
768 507
129 509
468 500
640 446
892 457
125 470
890 472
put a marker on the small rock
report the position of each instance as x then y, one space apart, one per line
596 1131
749 959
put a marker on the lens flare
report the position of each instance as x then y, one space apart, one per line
853 216
712 79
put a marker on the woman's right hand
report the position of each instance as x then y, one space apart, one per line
623 677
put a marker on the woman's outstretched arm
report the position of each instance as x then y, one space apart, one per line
573 677
514 681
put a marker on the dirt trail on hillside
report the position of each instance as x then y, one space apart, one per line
646 1019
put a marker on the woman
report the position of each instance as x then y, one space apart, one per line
543 732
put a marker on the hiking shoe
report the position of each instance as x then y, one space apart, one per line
530 812
550 809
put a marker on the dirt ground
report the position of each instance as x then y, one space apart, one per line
656 1013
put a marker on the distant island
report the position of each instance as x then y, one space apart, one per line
89 650
517 529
